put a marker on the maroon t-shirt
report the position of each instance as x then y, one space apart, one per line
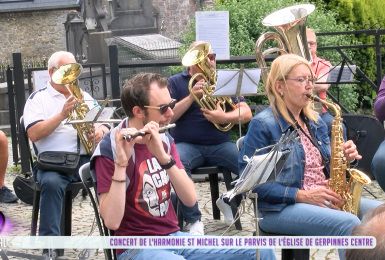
148 210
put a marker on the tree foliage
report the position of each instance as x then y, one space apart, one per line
246 26
361 15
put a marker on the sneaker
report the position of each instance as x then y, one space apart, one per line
226 210
49 254
196 228
6 195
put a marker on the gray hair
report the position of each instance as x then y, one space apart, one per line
371 225
53 61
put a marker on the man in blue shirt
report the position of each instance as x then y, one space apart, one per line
198 141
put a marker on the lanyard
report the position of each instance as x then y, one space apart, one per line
310 136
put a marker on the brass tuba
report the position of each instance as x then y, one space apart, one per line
350 190
68 75
198 55
290 34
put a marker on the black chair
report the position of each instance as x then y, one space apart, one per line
287 254
89 182
367 133
71 192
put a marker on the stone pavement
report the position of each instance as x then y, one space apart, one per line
19 215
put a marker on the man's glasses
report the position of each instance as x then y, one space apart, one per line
212 56
303 80
163 108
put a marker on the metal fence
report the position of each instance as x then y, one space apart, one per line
27 63
122 68
93 80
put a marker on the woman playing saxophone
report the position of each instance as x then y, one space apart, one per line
299 201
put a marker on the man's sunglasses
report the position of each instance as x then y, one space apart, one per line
163 108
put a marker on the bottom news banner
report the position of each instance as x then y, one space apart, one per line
140 242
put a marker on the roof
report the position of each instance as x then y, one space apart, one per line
153 46
36 5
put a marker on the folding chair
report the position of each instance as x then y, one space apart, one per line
89 182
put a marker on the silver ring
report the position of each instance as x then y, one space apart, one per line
327 203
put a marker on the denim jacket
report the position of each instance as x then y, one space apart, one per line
266 129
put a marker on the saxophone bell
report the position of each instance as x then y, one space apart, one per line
340 171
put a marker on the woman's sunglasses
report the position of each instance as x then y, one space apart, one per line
163 108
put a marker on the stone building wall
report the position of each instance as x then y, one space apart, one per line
174 15
34 34
40 33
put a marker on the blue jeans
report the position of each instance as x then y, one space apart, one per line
310 220
53 186
378 165
194 156
195 254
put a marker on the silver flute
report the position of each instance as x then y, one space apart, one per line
129 137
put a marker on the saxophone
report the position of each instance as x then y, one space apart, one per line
351 190
68 75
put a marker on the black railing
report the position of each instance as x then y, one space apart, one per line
92 80
377 45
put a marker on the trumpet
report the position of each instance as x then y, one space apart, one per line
129 137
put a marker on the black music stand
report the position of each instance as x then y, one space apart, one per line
343 73
237 83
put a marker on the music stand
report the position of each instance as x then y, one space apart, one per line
98 114
260 169
341 74
237 83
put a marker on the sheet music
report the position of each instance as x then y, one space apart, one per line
213 27
90 116
346 76
263 167
228 82
98 114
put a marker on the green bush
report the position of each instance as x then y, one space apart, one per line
360 15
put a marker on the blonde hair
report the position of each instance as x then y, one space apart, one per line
280 68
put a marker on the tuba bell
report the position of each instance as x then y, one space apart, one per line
198 55
290 35
68 75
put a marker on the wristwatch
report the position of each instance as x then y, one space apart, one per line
169 164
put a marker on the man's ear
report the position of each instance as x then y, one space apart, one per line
138 112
